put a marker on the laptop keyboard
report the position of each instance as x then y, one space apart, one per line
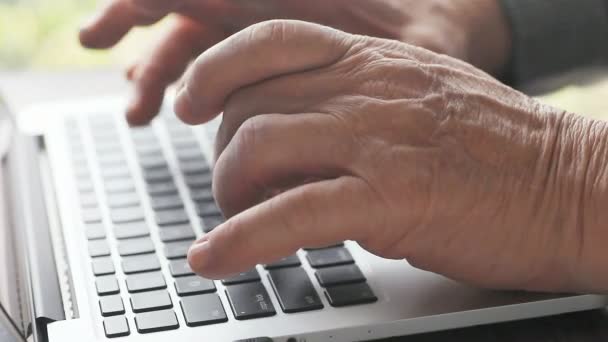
136 257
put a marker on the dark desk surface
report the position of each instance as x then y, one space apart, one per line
23 88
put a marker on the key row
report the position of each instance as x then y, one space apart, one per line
197 174
197 311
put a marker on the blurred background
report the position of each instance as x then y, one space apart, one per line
42 35
38 43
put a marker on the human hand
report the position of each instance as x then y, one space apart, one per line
472 30
411 154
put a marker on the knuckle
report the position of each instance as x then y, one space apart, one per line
247 134
270 31
249 139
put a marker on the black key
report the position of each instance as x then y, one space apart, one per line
109 147
184 141
149 301
102 125
186 154
171 217
176 250
145 282
160 189
203 310
145 140
111 305
143 134
116 172
294 290
329 257
110 163
116 326
135 246
104 132
150 155
127 214
131 230
179 128
140 263
289 261
82 173
85 186
176 233
121 200
79 157
351 294
108 160
250 301
180 268
330 246
210 222
339 275
166 202
106 285
243 277
194 166
156 321
152 161
88 200
99 248
205 209
149 148
91 215
95 231
203 194
160 174
103 266
122 185
106 138
193 285
199 180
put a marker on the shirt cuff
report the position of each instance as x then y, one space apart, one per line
553 36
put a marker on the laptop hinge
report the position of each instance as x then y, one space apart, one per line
30 221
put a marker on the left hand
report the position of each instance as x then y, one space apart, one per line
411 154
472 30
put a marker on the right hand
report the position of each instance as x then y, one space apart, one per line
471 30
411 154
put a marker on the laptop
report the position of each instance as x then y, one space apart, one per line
98 218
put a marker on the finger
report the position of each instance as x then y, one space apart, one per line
260 52
165 65
272 151
115 21
312 215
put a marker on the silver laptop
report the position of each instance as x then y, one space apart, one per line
100 218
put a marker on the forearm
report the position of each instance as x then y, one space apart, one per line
554 36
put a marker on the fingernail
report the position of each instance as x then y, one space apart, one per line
198 255
183 105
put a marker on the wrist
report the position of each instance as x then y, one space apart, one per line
580 187
592 174
489 36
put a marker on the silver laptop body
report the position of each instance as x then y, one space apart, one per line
99 243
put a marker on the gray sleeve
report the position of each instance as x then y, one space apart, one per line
554 36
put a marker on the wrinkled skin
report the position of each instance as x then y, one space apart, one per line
472 30
413 155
